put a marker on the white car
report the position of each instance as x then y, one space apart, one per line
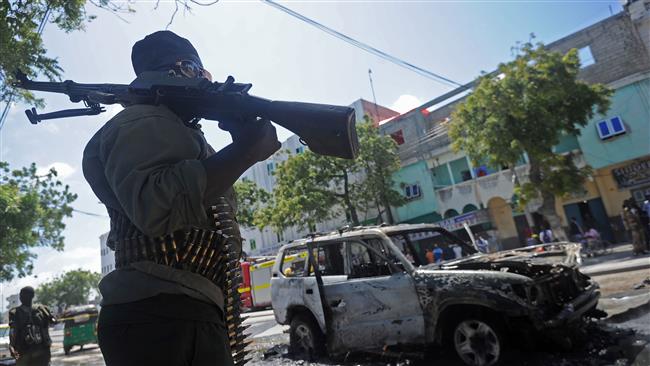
5 355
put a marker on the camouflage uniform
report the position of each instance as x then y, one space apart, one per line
634 226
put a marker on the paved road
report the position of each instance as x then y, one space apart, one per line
262 325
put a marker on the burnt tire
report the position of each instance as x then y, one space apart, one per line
306 341
477 339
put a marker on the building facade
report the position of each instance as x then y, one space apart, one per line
107 255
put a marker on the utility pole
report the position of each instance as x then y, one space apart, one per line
374 98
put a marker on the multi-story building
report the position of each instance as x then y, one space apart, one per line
267 241
107 255
443 186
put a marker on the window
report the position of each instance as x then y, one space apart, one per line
412 191
300 150
365 262
294 262
398 136
253 244
279 235
330 259
586 57
610 128
270 167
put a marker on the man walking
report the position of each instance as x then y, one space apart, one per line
158 177
29 336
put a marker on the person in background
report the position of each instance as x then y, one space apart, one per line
29 337
482 243
458 251
532 240
645 218
633 225
575 230
437 254
429 255
546 235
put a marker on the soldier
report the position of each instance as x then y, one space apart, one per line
154 171
633 225
29 336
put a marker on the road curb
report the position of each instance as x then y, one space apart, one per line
603 272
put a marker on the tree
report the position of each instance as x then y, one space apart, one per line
32 209
250 199
534 100
379 159
313 188
71 288
21 44
303 195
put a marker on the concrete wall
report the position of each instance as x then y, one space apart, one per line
632 104
417 173
616 46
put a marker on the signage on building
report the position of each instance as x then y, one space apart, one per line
471 218
633 174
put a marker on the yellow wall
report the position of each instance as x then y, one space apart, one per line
590 192
501 216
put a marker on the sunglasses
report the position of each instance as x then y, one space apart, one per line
191 69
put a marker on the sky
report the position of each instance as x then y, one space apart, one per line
285 59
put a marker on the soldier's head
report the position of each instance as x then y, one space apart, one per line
26 295
166 51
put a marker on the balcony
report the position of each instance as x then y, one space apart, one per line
479 190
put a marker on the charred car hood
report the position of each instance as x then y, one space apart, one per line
533 262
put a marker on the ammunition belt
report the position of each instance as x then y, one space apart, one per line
213 254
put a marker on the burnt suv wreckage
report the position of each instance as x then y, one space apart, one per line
372 288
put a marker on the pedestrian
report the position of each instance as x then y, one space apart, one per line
546 235
532 240
482 244
161 182
29 336
645 219
633 225
437 254
429 256
575 230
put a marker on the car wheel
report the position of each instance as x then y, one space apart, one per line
478 341
305 338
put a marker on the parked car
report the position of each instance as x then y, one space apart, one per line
372 287
5 355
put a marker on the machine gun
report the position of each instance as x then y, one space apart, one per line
325 129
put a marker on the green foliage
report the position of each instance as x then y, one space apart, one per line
533 101
379 160
71 288
250 199
311 188
21 46
32 209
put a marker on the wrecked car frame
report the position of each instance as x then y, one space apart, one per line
369 288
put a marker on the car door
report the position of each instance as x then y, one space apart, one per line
374 306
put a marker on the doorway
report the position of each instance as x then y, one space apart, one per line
590 213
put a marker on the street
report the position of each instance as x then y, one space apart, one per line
622 339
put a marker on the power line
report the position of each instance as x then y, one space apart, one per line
365 47
88 213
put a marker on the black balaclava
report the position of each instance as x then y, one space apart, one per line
26 295
159 51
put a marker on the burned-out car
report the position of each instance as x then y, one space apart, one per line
373 288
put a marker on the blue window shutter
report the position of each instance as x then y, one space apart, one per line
617 125
408 191
415 190
603 129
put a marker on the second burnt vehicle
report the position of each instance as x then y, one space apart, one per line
372 289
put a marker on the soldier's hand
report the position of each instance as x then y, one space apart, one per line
256 139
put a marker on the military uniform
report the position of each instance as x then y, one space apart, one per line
30 335
145 166
633 224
